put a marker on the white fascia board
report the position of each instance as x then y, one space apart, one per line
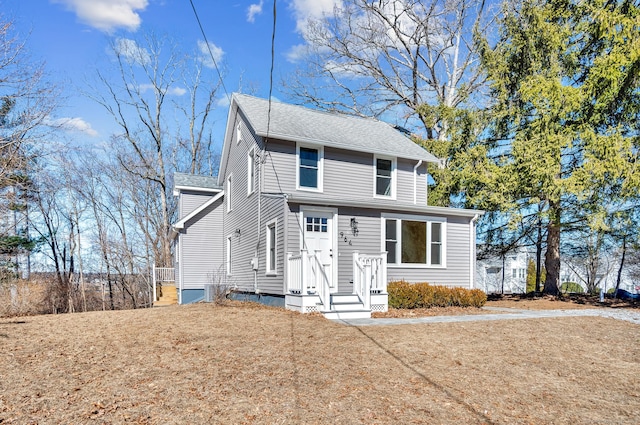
180 224
378 204
198 189
228 136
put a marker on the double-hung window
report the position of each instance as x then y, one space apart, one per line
310 161
271 247
414 241
385 171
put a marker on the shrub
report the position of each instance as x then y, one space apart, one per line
572 288
407 295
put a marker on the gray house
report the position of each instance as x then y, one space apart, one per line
318 211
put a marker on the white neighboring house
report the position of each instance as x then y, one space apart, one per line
506 275
606 277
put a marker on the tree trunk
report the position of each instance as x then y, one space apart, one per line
619 278
539 256
552 256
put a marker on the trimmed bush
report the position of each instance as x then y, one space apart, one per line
407 295
572 288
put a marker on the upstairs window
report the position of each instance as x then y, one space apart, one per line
385 171
310 168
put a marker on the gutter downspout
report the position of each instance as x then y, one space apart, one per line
472 251
415 182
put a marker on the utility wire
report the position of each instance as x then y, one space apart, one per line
209 48
273 55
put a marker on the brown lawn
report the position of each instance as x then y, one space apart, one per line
202 364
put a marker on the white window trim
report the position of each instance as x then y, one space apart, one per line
268 270
408 217
320 150
394 176
229 258
228 192
251 166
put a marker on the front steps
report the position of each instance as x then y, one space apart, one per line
169 296
343 305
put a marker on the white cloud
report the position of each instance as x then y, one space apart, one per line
131 51
346 69
223 101
107 15
304 10
73 124
297 52
253 10
216 51
175 91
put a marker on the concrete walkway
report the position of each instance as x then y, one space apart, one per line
504 314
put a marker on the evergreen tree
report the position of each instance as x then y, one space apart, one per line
565 83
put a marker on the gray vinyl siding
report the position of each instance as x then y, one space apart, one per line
457 271
243 215
280 167
272 210
406 180
190 200
367 241
294 228
346 174
201 248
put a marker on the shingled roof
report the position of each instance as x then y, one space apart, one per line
299 124
182 180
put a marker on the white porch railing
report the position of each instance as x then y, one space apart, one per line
369 276
161 275
307 275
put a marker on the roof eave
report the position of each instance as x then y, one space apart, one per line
290 138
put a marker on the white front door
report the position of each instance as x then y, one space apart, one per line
318 239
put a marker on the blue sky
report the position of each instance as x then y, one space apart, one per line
72 38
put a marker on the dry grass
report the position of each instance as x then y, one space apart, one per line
202 364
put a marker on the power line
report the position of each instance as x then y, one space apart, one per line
273 50
209 48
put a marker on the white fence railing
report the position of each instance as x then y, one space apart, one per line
369 276
307 275
162 275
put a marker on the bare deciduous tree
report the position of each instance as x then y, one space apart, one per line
369 58
150 146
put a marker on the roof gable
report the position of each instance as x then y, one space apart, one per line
300 124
